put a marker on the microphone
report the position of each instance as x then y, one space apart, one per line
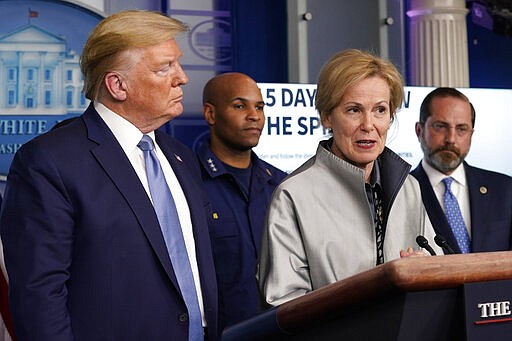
423 242
442 242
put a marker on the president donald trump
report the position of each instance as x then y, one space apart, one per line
90 241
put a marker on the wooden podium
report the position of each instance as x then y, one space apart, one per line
450 297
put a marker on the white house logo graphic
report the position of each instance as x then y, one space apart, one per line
211 40
38 75
40 79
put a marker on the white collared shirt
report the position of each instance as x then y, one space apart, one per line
459 189
128 137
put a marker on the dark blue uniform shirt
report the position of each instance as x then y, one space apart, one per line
236 227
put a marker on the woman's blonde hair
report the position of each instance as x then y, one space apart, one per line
120 32
346 69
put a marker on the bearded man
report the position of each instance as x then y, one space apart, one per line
470 207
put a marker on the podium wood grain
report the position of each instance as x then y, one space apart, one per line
400 275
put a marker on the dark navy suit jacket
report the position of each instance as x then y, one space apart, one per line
83 248
490 200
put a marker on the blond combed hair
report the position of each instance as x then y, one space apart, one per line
120 32
347 68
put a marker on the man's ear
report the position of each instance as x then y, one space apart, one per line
418 127
115 86
209 113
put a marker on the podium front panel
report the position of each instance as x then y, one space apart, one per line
434 315
488 310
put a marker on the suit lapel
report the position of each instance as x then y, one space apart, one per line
113 160
478 207
434 209
180 169
183 166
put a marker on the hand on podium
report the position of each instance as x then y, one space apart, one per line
410 252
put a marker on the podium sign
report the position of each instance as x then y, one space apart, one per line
488 310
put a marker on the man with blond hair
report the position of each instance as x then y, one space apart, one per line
104 225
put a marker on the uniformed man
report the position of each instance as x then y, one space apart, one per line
239 186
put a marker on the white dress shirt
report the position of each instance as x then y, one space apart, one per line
128 137
459 189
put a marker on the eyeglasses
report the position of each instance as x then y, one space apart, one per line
461 130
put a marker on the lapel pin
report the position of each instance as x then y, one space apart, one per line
178 158
483 189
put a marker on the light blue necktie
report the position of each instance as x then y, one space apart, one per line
165 208
454 216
